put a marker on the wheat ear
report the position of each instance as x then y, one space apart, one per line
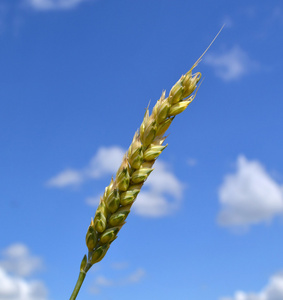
147 145
119 196
116 202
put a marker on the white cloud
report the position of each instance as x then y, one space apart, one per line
105 161
192 162
44 5
160 196
162 180
272 291
151 204
93 201
232 64
153 199
16 288
120 265
135 277
249 196
19 261
65 178
102 281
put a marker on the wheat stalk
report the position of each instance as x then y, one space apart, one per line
116 202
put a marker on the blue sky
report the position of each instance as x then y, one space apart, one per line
75 79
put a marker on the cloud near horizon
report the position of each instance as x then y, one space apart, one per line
272 291
160 196
232 64
18 263
249 196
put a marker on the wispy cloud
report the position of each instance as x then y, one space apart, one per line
160 196
249 196
3 13
105 161
272 291
44 5
102 281
277 14
93 201
17 263
228 21
68 177
191 162
17 259
232 64
120 265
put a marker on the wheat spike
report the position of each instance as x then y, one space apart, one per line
147 145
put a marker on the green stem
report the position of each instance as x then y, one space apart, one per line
78 285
